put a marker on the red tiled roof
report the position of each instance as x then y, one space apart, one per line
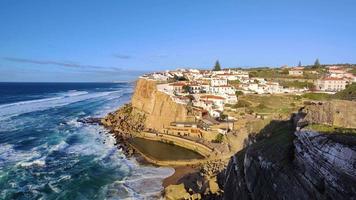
178 84
332 79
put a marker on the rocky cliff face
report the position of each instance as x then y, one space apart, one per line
339 113
314 166
125 121
160 110
295 165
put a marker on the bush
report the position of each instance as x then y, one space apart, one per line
219 138
348 94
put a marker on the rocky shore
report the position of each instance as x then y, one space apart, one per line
193 181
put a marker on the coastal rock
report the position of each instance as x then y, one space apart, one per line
308 165
338 113
175 192
125 121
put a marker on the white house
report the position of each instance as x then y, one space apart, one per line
217 100
218 82
220 90
296 71
331 84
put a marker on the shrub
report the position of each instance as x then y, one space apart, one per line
219 138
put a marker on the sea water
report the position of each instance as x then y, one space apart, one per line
45 153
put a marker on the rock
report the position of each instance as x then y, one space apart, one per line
90 120
305 166
175 192
213 186
339 113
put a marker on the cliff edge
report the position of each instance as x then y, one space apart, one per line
297 163
160 110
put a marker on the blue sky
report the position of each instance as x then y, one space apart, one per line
50 40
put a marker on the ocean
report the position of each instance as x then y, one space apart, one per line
45 153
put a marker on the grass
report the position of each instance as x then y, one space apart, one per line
317 96
331 129
296 84
273 104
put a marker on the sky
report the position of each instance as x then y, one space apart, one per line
112 40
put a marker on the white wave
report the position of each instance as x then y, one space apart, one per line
9 155
144 183
75 123
14 109
38 163
72 93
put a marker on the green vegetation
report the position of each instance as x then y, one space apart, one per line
178 78
316 63
353 71
273 104
297 84
219 138
235 82
331 129
317 96
266 73
348 94
299 64
238 93
186 88
242 104
217 66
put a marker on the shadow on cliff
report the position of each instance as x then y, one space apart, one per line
274 142
274 128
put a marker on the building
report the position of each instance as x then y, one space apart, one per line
218 82
177 87
296 71
217 100
195 88
221 90
331 84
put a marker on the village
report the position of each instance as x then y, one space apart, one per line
207 94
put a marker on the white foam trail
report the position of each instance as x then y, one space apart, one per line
9 155
14 109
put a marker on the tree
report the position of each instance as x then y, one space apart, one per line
217 66
186 88
317 63
299 64
238 93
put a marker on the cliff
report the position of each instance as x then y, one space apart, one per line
160 110
289 164
339 113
